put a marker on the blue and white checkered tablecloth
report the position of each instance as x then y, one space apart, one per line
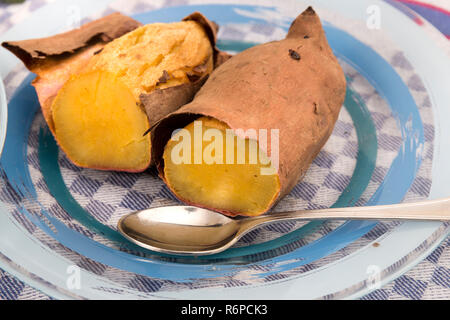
430 279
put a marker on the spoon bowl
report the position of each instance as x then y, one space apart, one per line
191 230
179 229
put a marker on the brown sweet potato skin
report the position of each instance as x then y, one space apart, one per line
295 85
105 29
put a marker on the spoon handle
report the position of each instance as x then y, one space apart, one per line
429 210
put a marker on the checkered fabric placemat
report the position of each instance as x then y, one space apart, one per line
325 181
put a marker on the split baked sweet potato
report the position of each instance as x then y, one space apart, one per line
98 117
103 86
289 92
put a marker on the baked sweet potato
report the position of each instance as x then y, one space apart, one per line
293 89
102 86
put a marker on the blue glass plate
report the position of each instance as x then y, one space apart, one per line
58 220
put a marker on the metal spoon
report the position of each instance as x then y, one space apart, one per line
195 231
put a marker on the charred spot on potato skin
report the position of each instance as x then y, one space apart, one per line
98 51
197 72
316 108
306 37
309 10
139 104
294 54
147 132
163 79
193 77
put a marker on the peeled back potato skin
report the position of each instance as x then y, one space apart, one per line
294 85
98 117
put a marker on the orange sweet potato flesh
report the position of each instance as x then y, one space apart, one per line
98 124
191 181
295 86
